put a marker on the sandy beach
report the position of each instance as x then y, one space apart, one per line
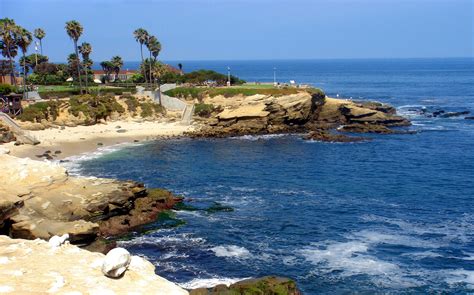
77 140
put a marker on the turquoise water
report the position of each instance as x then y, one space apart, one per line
391 215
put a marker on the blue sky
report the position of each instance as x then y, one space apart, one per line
255 29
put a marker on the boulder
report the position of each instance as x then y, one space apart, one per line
116 262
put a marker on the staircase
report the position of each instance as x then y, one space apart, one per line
187 116
21 135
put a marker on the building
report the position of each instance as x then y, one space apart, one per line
123 75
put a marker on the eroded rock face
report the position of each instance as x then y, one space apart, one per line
49 202
33 267
301 112
265 285
258 114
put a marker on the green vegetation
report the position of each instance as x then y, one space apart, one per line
149 109
94 108
199 92
40 111
131 102
203 110
62 91
6 89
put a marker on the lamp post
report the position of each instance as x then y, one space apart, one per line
228 76
274 77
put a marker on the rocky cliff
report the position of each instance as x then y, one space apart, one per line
304 111
40 200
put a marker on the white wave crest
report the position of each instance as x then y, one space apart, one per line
209 282
231 251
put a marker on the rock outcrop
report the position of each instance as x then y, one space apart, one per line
34 267
304 111
265 285
40 200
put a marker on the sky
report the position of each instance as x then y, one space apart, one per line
255 29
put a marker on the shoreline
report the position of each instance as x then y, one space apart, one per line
66 142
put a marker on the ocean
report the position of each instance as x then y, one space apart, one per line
393 215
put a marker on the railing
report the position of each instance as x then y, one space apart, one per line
21 134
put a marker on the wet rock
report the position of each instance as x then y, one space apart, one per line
366 128
454 114
327 136
265 285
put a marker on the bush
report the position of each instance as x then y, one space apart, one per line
132 103
203 110
6 89
149 109
40 111
186 92
94 108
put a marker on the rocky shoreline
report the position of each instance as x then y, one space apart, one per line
40 200
321 118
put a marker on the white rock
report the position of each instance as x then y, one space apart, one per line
116 262
56 241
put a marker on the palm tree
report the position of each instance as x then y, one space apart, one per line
74 30
150 42
107 67
141 35
180 66
40 34
86 49
24 40
117 65
9 34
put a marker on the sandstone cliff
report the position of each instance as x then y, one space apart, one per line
40 200
34 267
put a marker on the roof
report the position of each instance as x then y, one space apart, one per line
122 72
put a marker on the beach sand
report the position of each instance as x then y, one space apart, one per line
81 139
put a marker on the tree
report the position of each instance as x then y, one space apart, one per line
74 30
150 42
141 36
117 65
9 35
86 49
40 34
73 61
33 60
180 66
107 67
24 39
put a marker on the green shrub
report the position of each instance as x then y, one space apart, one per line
132 103
149 108
6 89
94 108
203 110
186 92
200 92
40 111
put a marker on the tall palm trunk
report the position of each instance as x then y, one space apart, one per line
150 70
41 46
78 68
143 60
87 78
24 76
12 73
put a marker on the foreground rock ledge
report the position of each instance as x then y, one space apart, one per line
33 267
40 200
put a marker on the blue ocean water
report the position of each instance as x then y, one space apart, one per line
391 215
